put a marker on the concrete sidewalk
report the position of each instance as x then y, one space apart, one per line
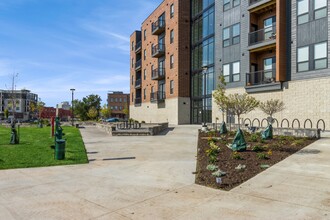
151 178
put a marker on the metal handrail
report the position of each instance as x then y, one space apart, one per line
261 77
262 35
138 64
157 73
158 48
157 24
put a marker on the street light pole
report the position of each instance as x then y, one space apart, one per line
205 68
72 114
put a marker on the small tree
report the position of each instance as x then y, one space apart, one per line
6 113
92 113
270 107
220 98
126 111
241 104
105 111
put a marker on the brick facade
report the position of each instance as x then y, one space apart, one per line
117 102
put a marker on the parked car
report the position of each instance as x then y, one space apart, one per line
112 120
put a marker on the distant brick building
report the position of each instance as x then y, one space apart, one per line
117 102
49 112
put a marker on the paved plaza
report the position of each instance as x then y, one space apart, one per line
152 178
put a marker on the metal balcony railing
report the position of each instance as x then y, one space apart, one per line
158 50
138 46
261 77
158 27
158 73
138 83
138 64
137 101
157 96
262 35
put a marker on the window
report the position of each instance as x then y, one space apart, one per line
120 107
144 54
171 87
120 99
132 80
144 34
172 36
172 10
320 56
144 94
231 35
116 100
125 100
111 107
226 5
132 45
231 72
144 74
236 33
236 2
133 97
171 61
320 9
116 107
236 71
303 8
152 48
132 62
303 58
226 36
111 99
226 72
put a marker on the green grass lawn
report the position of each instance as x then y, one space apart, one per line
34 149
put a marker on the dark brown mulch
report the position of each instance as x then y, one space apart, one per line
276 149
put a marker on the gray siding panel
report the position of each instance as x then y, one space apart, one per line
312 32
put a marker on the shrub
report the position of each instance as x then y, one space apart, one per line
143 122
298 142
218 173
258 148
254 138
213 152
262 156
235 155
212 167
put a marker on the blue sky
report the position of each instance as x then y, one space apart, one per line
56 45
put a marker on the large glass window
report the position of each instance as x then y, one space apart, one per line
303 9
226 37
208 52
226 5
172 10
236 71
172 36
236 33
208 22
320 8
226 72
303 59
320 55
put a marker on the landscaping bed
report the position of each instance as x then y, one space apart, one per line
259 155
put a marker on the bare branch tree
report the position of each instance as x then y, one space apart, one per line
270 107
241 104
219 96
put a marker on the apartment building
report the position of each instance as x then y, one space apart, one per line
276 49
270 49
117 102
18 102
160 65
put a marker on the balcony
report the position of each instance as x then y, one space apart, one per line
263 36
137 102
256 5
261 77
138 47
158 74
138 84
158 27
158 50
157 97
138 65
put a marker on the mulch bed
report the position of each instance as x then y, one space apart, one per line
276 150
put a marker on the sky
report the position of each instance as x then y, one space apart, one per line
56 45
